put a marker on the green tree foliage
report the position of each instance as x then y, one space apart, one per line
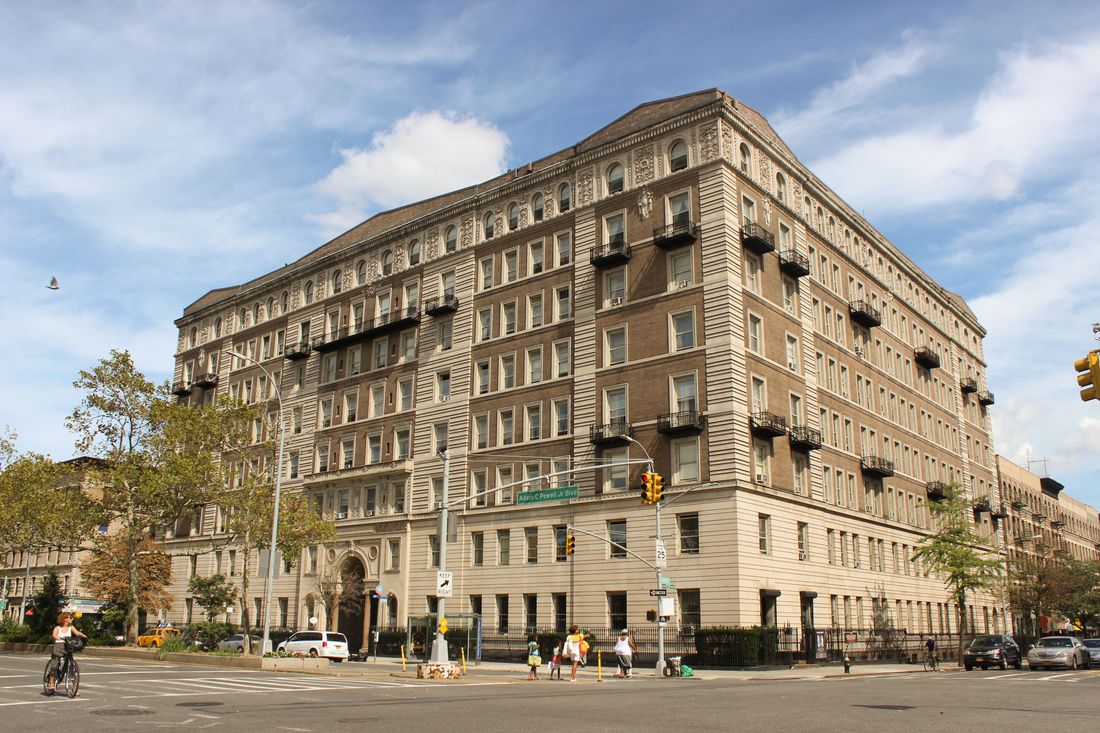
105 572
1037 581
1079 599
161 458
954 550
47 604
214 594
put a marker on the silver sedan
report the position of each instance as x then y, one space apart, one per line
1093 645
1058 651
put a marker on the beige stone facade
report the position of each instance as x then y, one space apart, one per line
678 276
1040 513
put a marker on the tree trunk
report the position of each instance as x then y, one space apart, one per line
246 620
133 600
964 629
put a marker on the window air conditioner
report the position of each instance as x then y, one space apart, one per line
859 352
683 283
340 515
368 513
762 478
793 366
616 301
802 555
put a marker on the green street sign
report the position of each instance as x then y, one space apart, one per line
539 496
3 604
667 583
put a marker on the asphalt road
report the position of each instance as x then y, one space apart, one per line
121 695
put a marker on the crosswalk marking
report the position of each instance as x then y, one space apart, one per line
1005 676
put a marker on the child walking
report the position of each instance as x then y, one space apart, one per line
555 661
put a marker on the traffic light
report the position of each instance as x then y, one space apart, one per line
647 487
651 615
570 544
658 483
1090 376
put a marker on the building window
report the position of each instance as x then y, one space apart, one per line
746 158
683 330
565 197
443 386
433 550
537 207
531 536
615 339
446 335
395 554
803 541
536 257
690 616
511 266
684 393
502 614
534 422
616 533
615 404
530 611
680 269
685 461
561 296
534 310
559 543
485 324
440 432
677 156
614 227
688 525
561 358
508 312
565 249
507 427
754 265
561 417
756 334
507 372
401 440
477 541
616 609
387 262
504 547
513 217
488 225
764 533
615 177
781 188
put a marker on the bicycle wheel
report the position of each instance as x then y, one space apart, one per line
47 679
928 666
72 679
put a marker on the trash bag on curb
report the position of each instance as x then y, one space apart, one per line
686 671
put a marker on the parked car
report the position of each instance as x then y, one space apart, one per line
328 644
156 637
992 650
1093 645
1058 651
232 643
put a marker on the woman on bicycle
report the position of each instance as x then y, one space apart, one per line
63 631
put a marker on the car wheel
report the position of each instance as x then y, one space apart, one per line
313 652
1073 662
1019 663
240 650
1004 663
968 666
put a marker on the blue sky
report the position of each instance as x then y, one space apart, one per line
152 151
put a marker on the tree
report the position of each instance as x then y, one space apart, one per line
1036 583
107 575
214 594
954 551
1079 599
337 592
161 459
47 604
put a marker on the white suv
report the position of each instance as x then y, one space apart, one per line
326 644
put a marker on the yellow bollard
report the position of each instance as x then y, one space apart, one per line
599 665
462 651
402 657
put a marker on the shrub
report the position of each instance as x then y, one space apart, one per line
211 632
726 646
171 645
19 634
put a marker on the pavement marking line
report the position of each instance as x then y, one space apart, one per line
41 702
262 684
1055 676
1004 676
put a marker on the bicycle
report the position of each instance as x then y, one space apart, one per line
931 662
67 671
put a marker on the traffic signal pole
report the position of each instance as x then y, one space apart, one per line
439 645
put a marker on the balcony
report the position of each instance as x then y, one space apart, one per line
1057 524
985 398
877 466
999 513
1018 505
615 252
794 263
297 351
681 423
392 321
675 234
181 389
207 380
757 239
968 385
766 424
865 314
982 505
805 438
937 490
616 432
926 357
441 306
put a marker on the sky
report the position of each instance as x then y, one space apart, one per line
152 151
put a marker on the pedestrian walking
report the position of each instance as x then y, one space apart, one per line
534 657
572 650
624 651
555 660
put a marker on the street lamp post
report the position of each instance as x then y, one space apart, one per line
658 567
439 644
272 551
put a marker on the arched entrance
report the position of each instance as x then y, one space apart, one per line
353 598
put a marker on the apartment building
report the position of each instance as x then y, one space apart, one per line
676 285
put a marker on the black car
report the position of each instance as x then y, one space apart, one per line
992 650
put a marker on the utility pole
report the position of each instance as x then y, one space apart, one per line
439 645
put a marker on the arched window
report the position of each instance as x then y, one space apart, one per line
271 307
361 272
309 292
414 252
450 239
806 207
284 302
192 336
489 225
565 197
537 207
678 156
217 328
387 262
513 217
337 282
832 228
820 223
746 159
781 188
244 317
615 178
255 313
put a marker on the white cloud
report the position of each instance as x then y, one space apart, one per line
421 155
1032 119
831 105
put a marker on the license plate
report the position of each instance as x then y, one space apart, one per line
979 659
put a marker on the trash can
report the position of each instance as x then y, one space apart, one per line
672 668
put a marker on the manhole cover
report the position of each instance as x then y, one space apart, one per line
198 704
885 707
122 712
